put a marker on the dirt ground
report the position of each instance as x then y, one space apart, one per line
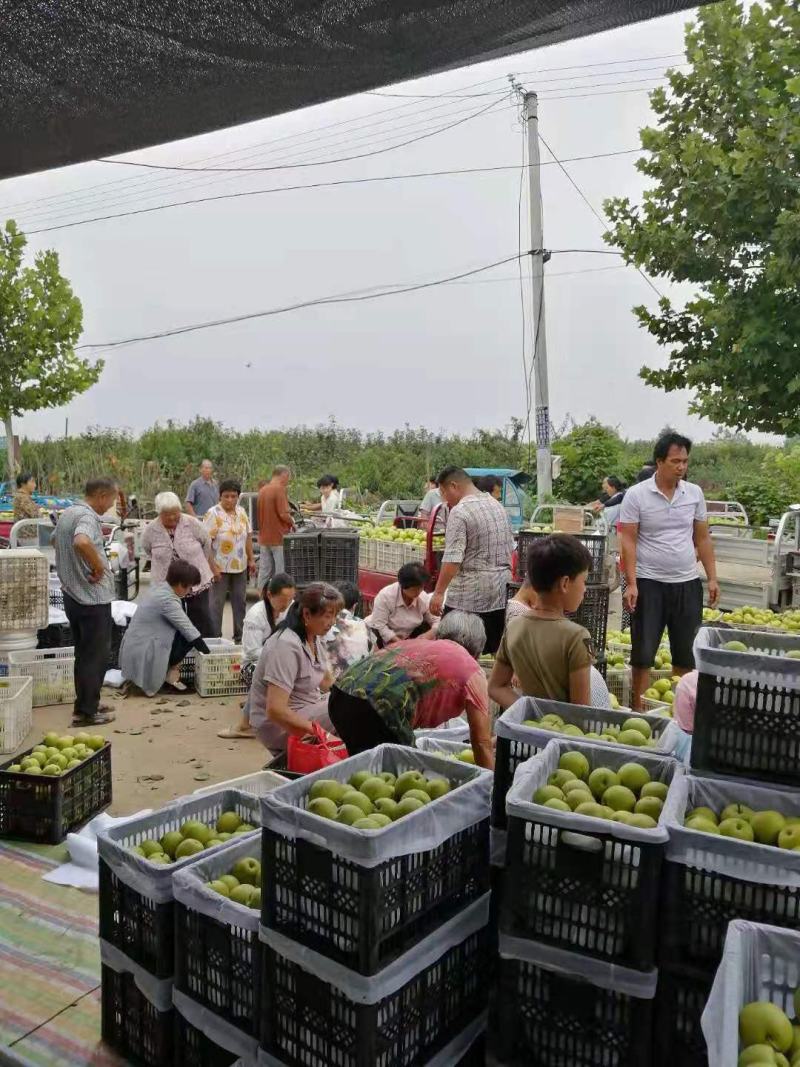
164 746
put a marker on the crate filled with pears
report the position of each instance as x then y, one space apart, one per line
364 858
137 861
585 849
55 787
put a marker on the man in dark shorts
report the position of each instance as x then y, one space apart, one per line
664 530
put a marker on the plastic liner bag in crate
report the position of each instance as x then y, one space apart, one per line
453 730
317 1012
517 742
747 719
364 896
447 748
708 879
580 882
558 1009
202 1039
193 1045
136 896
217 952
758 963
136 1009
16 714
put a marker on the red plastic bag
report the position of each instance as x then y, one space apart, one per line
312 753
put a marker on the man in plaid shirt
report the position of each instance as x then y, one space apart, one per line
476 565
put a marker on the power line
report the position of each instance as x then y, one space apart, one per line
324 185
544 81
292 166
604 63
593 210
171 183
342 298
303 135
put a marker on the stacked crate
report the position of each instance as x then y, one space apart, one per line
375 943
137 928
745 750
578 920
759 963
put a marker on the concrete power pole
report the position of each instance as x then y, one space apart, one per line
544 474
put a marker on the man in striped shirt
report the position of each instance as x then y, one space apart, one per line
88 586
476 564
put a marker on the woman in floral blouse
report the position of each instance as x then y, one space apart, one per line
229 529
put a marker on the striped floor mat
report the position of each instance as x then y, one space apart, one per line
49 964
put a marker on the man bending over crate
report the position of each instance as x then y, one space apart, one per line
664 530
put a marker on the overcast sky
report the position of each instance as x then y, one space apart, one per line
450 357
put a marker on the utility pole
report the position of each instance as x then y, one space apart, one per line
544 474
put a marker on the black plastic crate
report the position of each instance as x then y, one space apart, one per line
593 615
594 542
697 905
510 752
364 917
192 1048
130 1024
45 809
139 925
747 729
56 635
310 1023
301 555
677 1036
339 556
544 1019
597 895
219 966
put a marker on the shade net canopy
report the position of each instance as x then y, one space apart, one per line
81 79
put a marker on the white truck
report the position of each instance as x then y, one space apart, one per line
756 565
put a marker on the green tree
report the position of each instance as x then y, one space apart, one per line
723 215
589 453
40 322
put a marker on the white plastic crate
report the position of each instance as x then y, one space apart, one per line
758 963
656 707
15 712
390 557
367 553
23 589
52 671
618 680
413 553
189 662
219 674
256 785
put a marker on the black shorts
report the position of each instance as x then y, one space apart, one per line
678 606
494 623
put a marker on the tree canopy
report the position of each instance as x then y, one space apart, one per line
723 215
40 323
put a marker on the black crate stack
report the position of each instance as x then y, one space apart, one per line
137 936
321 555
366 963
747 729
578 918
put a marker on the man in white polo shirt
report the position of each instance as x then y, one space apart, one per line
664 529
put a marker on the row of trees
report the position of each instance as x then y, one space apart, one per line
721 214
765 479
